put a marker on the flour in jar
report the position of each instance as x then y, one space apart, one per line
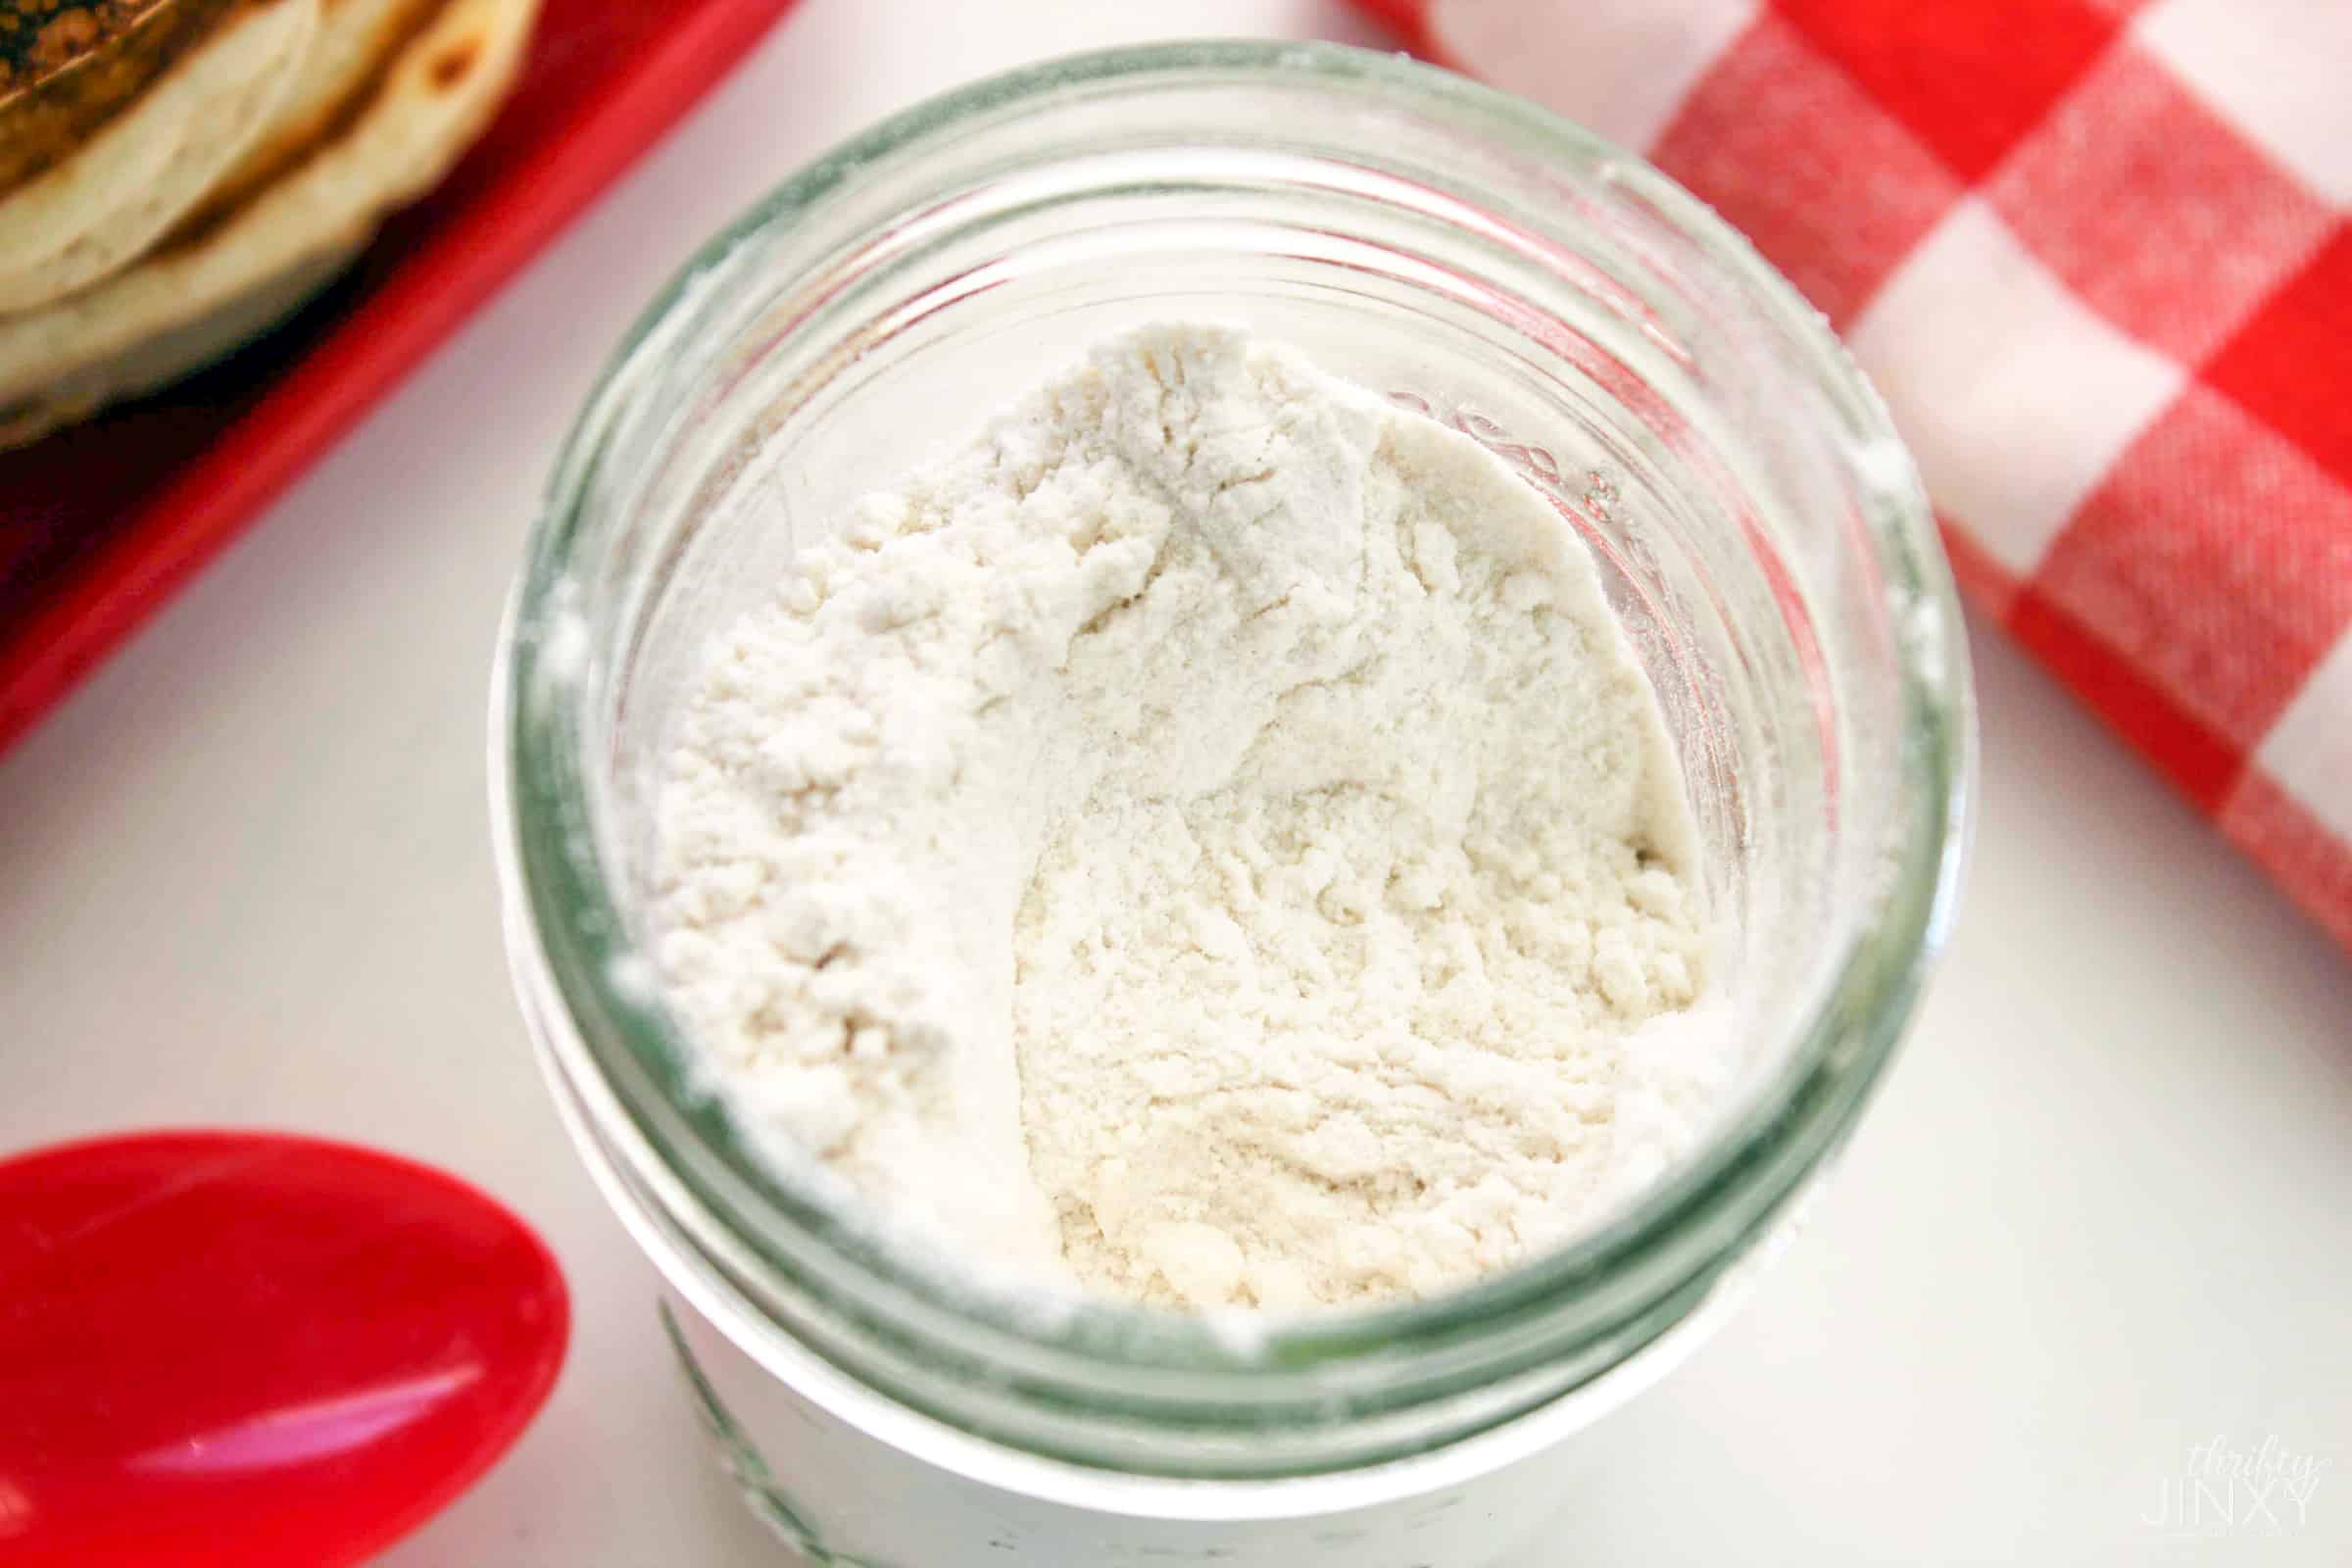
1206 840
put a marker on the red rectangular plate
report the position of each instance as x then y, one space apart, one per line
102 523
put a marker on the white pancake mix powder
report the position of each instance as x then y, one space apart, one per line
1206 840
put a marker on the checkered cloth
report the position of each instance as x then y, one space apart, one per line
2096 255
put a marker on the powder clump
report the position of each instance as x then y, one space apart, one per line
1206 839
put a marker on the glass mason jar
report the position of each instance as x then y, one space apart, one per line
1762 535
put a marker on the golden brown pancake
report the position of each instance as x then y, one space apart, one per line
65 69
220 280
91 190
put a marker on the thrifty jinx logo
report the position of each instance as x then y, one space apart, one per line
2226 1490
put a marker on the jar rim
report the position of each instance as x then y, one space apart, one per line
553 864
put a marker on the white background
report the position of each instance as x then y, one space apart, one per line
2102 1210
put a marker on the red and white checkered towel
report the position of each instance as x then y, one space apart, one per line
2097 256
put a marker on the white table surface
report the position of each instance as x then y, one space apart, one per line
2101 1212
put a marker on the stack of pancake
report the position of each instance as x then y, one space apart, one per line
177 174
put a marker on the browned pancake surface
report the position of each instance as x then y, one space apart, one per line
67 69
